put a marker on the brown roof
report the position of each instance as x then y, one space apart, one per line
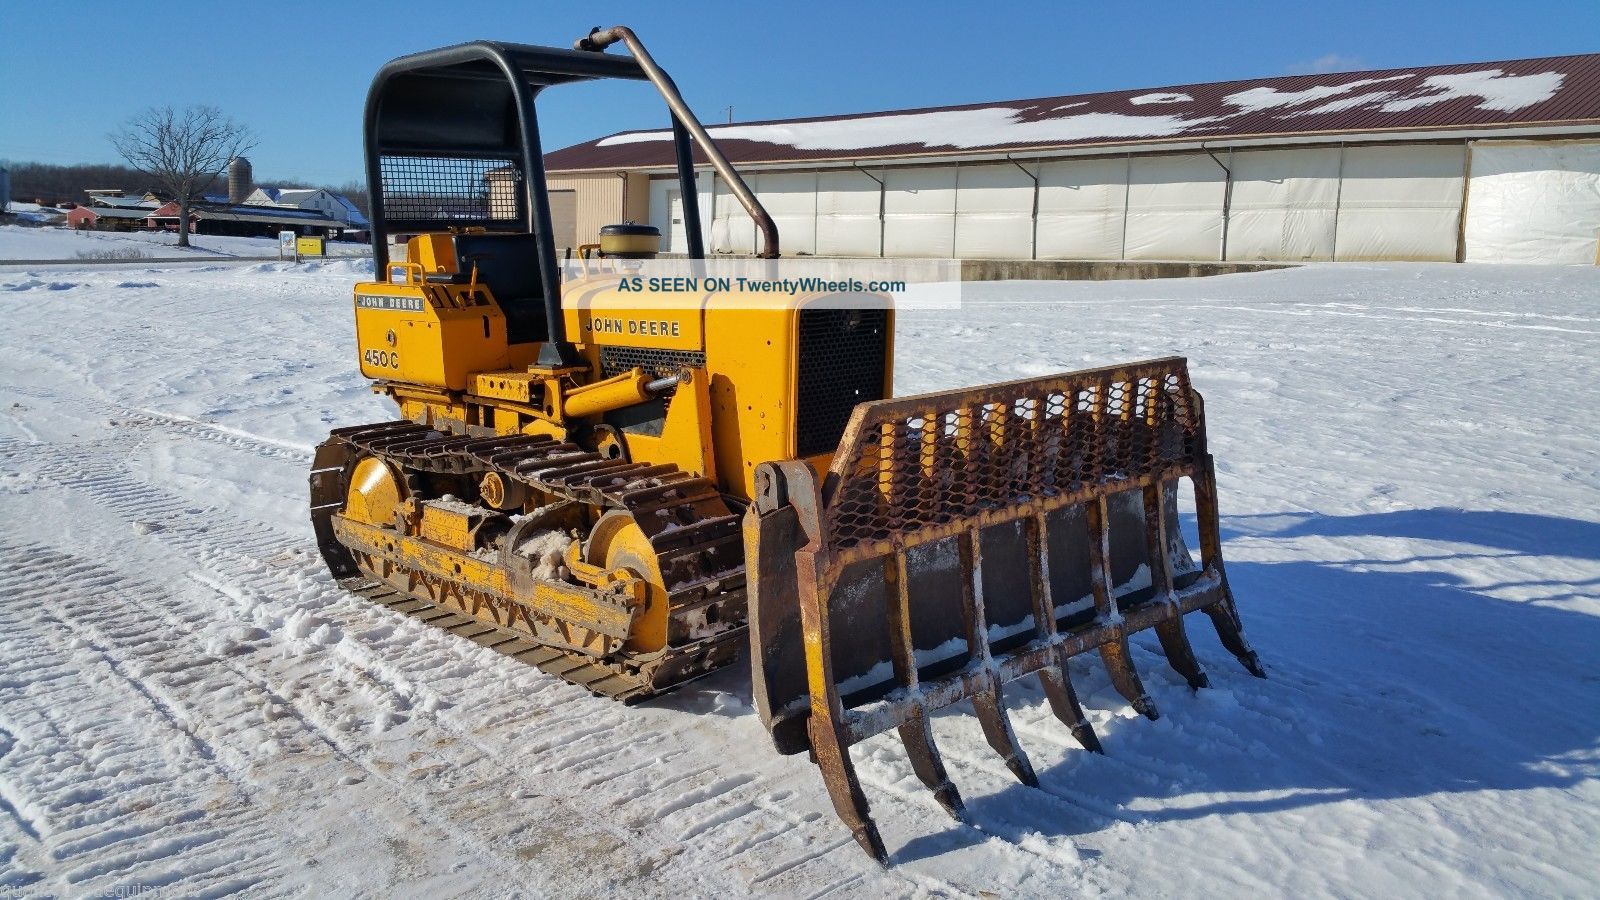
1547 91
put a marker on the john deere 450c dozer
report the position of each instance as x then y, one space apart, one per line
623 492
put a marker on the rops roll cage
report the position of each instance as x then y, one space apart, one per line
475 101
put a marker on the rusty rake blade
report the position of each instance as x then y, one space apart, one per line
889 561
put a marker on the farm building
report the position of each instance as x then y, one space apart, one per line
110 217
329 204
246 221
1494 161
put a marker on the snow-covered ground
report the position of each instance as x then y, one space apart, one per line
49 242
1410 476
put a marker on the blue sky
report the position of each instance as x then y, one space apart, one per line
297 72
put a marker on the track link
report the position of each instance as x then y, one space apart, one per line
697 539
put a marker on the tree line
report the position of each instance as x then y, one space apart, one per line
55 184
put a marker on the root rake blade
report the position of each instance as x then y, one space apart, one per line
965 539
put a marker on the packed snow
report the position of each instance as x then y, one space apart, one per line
22 242
1407 462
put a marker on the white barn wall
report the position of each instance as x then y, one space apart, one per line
1534 202
1174 208
1081 207
791 200
920 212
1283 205
1401 203
847 213
994 212
732 230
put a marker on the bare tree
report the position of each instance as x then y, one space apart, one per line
183 151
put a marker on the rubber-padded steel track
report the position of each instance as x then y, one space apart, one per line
598 678
697 540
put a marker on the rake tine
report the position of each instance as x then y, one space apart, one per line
1175 644
997 731
1174 640
1125 678
1114 652
1056 678
916 733
988 701
839 775
1224 615
826 725
1064 703
918 738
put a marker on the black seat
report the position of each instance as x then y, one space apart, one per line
509 265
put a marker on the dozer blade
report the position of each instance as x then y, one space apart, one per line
965 539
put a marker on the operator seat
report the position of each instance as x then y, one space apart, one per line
509 265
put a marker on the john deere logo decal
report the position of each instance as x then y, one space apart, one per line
382 301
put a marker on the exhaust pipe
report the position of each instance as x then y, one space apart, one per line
598 40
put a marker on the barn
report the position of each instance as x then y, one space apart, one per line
1491 162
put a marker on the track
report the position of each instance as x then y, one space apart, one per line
696 540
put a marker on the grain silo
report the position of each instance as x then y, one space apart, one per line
241 180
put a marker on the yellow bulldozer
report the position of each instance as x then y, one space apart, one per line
626 493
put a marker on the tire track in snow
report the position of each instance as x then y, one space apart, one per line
134 617
123 838
253 563
236 554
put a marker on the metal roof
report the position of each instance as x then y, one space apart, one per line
119 212
251 213
1556 90
100 200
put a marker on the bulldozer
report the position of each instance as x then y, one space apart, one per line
626 494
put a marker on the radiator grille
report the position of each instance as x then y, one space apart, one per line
842 354
616 360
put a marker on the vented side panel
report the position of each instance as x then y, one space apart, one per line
842 355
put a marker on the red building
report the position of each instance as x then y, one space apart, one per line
108 218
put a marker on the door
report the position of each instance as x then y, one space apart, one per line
564 220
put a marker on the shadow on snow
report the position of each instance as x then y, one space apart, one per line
1387 679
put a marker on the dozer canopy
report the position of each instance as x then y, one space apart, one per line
452 144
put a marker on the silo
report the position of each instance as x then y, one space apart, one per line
5 190
240 179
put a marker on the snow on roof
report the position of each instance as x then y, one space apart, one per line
252 213
119 212
352 212
1554 89
100 200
